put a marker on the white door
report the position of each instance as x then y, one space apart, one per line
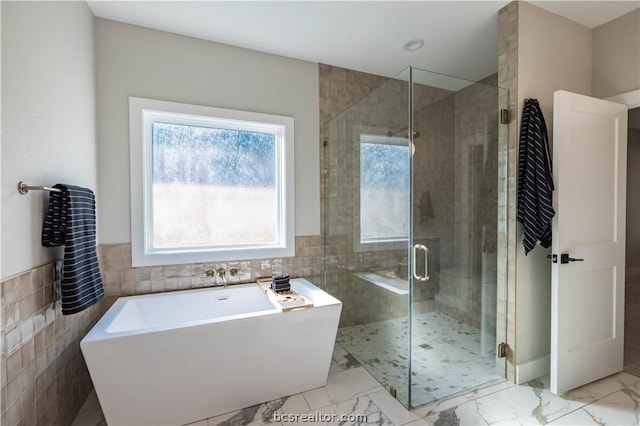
587 295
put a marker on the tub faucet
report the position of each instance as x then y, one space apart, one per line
222 273
210 273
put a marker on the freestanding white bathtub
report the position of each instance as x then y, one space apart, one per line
175 358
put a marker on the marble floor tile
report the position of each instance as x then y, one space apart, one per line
294 405
614 400
261 414
532 403
599 389
341 387
391 407
446 404
256 415
360 411
342 360
419 422
619 408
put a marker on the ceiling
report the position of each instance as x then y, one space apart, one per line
460 36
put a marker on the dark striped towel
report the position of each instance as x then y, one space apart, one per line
71 220
535 181
280 283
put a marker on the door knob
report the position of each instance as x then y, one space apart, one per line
564 258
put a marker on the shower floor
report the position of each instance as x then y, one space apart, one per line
445 358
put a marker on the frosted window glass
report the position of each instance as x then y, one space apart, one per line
209 184
212 186
384 191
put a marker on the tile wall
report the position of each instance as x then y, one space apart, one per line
372 110
339 89
452 227
44 377
456 168
121 279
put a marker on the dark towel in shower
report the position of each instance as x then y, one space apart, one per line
71 220
535 180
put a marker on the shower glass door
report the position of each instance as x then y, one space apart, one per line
366 214
454 236
410 216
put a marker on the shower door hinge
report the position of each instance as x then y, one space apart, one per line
502 350
505 117
393 392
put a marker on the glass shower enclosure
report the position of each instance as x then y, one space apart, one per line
411 201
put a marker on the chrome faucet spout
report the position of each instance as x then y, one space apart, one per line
222 273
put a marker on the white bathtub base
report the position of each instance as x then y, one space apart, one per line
182 375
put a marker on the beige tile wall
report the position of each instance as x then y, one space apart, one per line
350 103
456 163
44 378
121 279
449 159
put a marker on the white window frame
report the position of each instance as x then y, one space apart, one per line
376 244
142 113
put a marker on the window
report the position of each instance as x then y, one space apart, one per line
384 189
209 184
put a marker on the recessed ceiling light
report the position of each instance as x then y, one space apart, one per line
413 45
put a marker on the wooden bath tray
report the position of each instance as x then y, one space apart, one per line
287 300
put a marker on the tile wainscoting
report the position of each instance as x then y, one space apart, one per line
121 279
44 378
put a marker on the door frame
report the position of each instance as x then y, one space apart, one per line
631 99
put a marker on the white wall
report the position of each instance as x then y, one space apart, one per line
633 199
48 118
616 70
616 56
135 61
554 53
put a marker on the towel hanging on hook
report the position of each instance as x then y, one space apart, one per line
535 180
71 221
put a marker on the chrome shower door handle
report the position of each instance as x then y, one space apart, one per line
426 263
413 263
424 248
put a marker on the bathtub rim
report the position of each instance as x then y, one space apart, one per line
99 331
